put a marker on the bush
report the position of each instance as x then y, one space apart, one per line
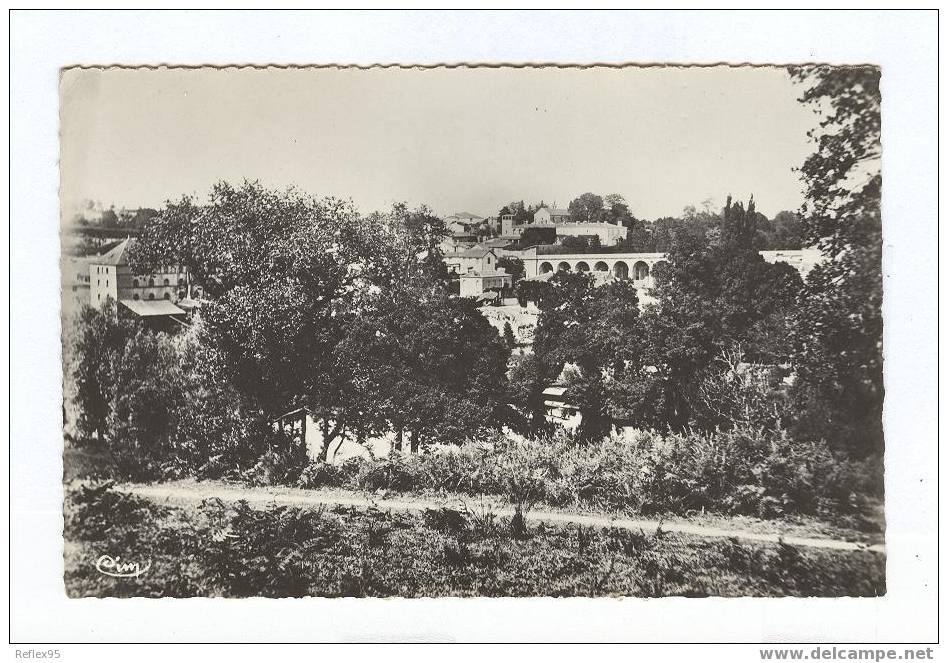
284 463
233 550
742 471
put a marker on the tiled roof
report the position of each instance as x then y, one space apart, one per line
115 256
476 252
150 308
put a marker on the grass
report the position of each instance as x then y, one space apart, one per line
224 550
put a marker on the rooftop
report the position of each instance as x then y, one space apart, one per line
115 256
475 252
147 309
486 274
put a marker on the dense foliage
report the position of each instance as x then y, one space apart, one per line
310 305
839 334
219 550
739 472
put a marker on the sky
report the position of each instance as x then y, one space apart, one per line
456 139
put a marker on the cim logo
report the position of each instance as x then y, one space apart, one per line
115 567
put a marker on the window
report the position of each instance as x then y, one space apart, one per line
151 295
167 296
151 282
135 297
167 282
134 283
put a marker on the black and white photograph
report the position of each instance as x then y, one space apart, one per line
426 332
474 326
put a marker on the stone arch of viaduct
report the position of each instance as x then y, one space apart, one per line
641 266
637 266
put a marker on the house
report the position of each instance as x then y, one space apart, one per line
558 409
474 260
477 284
451 247
560 221
110 275
154 297
609 234
551 215
464 219
74 284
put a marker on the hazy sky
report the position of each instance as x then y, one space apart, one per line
456 139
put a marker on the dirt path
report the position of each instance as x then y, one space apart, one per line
193 492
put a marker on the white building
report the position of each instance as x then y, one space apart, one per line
551 215
474 260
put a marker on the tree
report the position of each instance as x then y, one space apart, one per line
536 236
782 233
587 208
616 211
527 378
424 363
96 346
421 229
594 329
513 266
838 339
149 393
717 294
575 243
509 339
286 274
640 240
521 213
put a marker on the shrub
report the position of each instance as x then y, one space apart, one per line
283 463
739 471
233 550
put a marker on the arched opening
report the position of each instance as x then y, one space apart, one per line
601 267
640 270
582 266
167 295
620 270
136 297
134 283
167 282
151 295
564 267
545 268
181 280
151 282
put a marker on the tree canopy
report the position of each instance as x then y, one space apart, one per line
839 333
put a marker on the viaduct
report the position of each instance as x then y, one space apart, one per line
637 266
